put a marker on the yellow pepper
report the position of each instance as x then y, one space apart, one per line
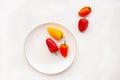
55 33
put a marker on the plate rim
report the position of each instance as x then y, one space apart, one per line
25 53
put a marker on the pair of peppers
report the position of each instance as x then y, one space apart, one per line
52 46
83 23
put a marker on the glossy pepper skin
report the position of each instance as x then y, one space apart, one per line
82 25
52 46
84 11
55 33
64 49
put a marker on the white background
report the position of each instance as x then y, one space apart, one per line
98 49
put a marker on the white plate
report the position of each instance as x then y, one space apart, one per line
37 52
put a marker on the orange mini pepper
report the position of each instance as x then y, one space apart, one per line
64 49
84 11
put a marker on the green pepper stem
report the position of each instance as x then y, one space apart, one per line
64 42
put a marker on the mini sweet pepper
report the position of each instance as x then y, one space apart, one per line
55 33
52 46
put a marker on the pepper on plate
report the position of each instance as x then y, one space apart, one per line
52 46
64 49
55 33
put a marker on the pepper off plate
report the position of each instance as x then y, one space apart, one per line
37 52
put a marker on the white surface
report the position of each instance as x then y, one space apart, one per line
98 49
38 55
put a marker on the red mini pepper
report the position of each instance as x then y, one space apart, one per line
82 25
52 46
